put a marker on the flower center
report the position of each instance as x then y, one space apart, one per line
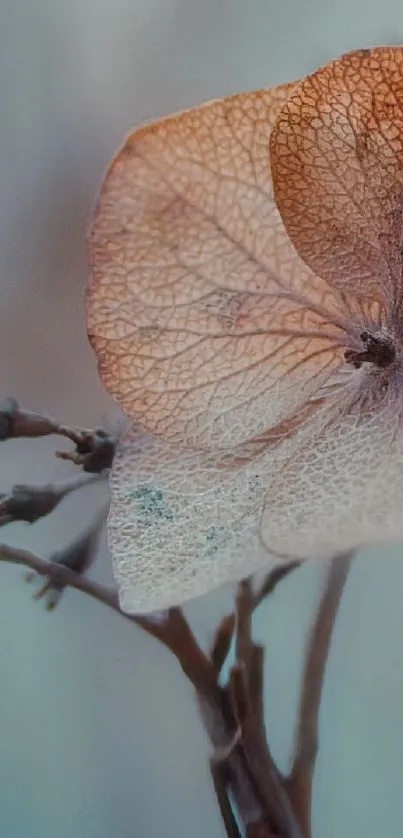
378 350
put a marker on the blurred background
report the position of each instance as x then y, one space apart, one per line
99 733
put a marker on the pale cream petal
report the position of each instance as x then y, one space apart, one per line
182 523
342 489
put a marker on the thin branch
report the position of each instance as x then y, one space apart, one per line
254 784
94 449
266 776
256 686
29 503
60 574
243 771
241 703
299 782
175 634
173 631
16 422
220 783
222 642
272 579
223 636
244 605
246 694
78 557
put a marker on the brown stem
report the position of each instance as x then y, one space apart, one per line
255 785
272 579
173 631
243 627
94 449
222 642
256 686
175 634
221 786
243 771
16 422
223 636
266 776
29 503
299 782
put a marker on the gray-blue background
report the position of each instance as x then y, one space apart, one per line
99 735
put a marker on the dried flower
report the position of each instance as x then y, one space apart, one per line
246 308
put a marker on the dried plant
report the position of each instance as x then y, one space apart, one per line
255 799
245 306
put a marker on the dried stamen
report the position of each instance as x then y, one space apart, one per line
379 350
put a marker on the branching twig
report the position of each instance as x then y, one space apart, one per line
94 449
224 633
173 630
220 782
244 774
248 760
268 782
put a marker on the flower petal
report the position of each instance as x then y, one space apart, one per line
208 327
183 523
337 161
342 489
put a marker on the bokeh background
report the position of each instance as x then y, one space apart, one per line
99 734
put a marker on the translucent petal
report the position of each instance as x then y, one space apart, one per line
183 522
341 490
208 327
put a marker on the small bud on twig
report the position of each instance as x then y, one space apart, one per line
77 556
95 450
29 503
